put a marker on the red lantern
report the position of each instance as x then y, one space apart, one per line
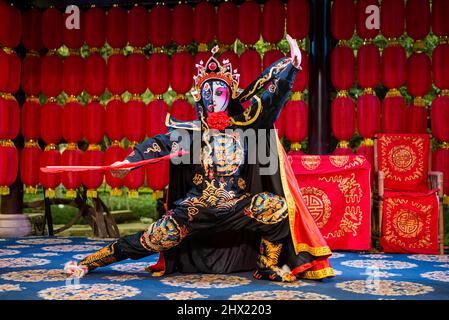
296 117
73 75
368 66
439 117
368 115
134 179
250 23
31 78
15 73
32 30
94 122
50 123
9 163
113 154
227 23
92 180
10 26
343 118
73 37
232 57
419 78
251 64
117 27
158 73
417 117
51 75
52 28
116 69
29 166
302 77
440 12
9 117
273 21
182 24
72 121
342 67
50 157
134 120
440 162
155 115
298 18
137 31
160 25
202 56
417 18
364 17
182 72
394 66
158 176
114 119
392 18
440 66
31 113
71 180
270 57
11 68
136 64
394 113
343 19
95 75
181 109
95 27
5 67
204 20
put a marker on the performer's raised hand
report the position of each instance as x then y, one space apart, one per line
119 173
295 52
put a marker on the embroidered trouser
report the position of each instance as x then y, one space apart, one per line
264 213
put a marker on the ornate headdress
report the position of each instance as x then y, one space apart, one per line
214 70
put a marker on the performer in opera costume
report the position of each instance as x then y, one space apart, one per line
223 215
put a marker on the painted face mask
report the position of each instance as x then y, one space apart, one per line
215 95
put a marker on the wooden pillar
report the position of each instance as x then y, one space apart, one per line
319 78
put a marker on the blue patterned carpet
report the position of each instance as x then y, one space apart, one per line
31 268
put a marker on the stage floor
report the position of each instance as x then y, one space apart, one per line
31 268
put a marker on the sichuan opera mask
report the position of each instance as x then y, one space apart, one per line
216 84
215 95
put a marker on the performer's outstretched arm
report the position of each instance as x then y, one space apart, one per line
155 147
277 82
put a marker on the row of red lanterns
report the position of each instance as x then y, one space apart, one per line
32 158
395 71
139 26
9 84
396 17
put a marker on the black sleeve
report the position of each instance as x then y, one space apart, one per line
155 147
276 82
276 95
